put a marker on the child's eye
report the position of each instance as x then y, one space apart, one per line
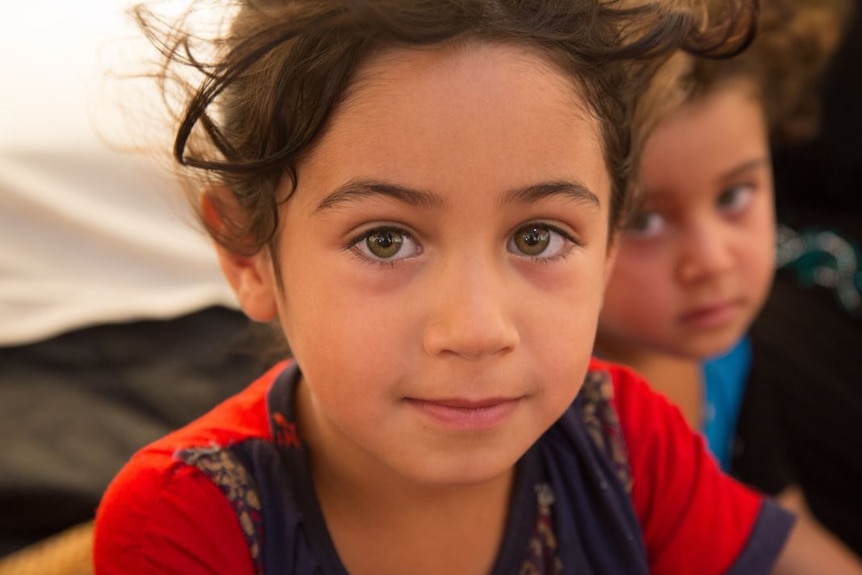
735 199
646 225
540 241
386 244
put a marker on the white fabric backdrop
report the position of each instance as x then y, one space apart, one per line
88 234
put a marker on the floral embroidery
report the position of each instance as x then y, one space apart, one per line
604 428
543 558
228 474
603 424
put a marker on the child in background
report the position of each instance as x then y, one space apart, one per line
696 263
418 192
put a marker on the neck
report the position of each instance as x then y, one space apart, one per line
382 522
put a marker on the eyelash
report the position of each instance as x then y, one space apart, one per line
353 244
564 252
742 192
636 229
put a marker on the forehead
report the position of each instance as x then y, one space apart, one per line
705 141
447 63
461 115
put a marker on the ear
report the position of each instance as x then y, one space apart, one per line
252 277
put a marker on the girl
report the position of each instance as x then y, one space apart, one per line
696 264
417 192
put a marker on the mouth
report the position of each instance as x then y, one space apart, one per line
463 414
711 316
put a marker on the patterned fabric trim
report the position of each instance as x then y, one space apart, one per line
603 424
604 429
543 556
823 258
228 474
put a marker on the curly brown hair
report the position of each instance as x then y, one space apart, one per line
255 91
785 64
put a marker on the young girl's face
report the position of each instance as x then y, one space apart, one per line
444 258
697 267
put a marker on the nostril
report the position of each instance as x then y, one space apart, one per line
472 311
468 338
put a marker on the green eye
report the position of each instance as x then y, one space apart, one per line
541 242
384 243
532 240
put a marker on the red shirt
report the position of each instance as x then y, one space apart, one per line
161 515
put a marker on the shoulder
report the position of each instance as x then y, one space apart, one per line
243 416
694 518
162 514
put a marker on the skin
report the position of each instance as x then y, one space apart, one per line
706 236
435 345
696 269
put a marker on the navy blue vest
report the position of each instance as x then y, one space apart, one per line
570 511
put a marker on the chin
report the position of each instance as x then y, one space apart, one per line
464 471
713 347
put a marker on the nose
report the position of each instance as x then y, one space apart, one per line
707 252
470 318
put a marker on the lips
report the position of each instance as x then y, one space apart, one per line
712 315
462 414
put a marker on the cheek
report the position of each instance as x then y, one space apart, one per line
335 320
557 345
639 297
558 330
762 271
341 326
637 278
760 247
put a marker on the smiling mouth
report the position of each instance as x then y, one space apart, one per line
465 414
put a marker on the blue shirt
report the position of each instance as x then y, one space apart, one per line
724 380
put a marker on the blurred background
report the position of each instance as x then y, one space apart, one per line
116 325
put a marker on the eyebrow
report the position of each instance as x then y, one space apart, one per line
744 167
575 191
359 189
